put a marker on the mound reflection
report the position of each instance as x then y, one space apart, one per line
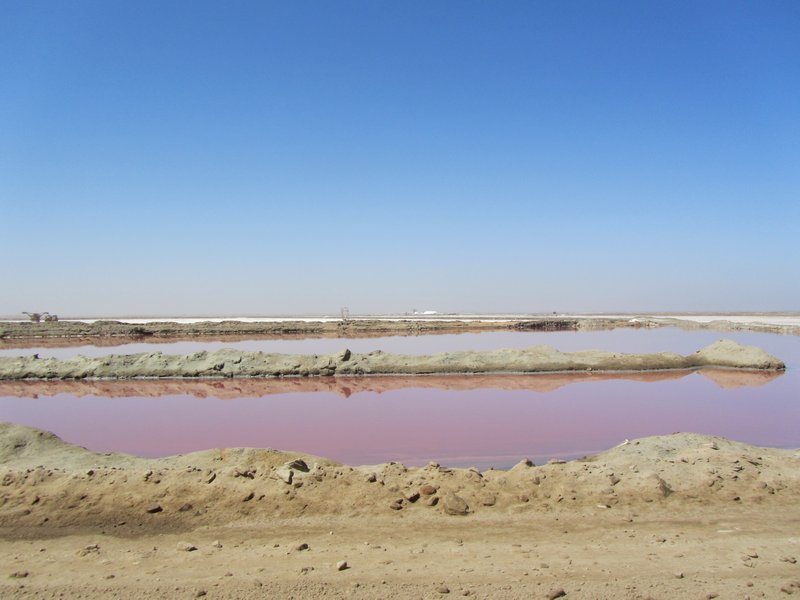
230 389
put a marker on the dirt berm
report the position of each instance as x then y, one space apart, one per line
676 516
236 363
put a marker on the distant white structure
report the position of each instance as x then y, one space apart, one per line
425 312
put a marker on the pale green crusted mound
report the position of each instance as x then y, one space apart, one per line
235 363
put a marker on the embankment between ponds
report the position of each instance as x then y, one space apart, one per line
235 363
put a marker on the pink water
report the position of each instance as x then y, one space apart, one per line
482 421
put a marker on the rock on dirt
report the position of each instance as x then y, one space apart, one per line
455 504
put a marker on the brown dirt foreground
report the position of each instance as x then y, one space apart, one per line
678 516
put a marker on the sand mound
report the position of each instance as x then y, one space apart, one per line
23 444
727 353
48 483
234 363
676 516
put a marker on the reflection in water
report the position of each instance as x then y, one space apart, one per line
730 379
228 389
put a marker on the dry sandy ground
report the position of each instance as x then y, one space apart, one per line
680 516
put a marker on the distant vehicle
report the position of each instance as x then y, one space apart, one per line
38 317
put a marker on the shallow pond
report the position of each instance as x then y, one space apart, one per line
457 421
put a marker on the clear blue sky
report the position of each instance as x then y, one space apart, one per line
290 157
